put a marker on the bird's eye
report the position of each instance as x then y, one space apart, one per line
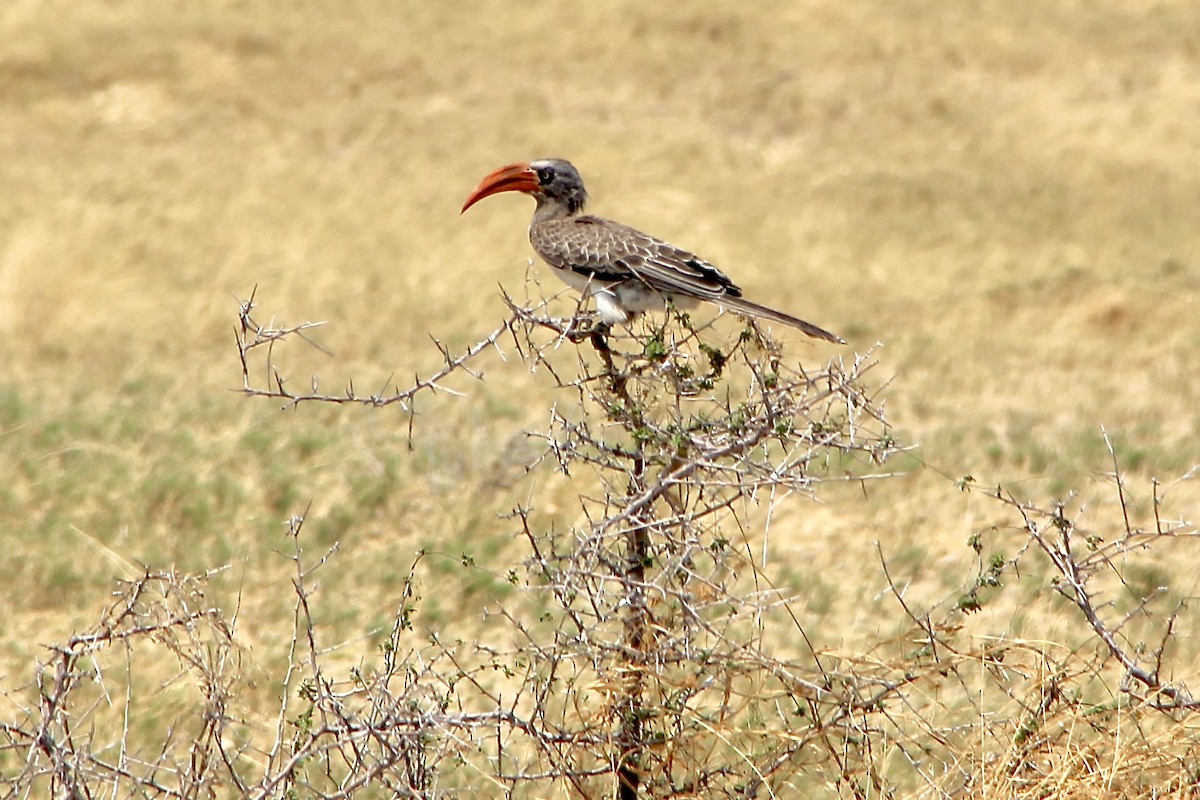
545 175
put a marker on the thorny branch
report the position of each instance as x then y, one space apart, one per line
251 335
1076 555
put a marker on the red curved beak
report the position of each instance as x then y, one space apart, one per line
519 177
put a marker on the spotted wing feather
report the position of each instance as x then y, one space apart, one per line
603 250
610 251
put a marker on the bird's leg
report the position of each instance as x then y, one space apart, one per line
586 326
598 335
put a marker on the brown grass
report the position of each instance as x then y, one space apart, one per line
1004 194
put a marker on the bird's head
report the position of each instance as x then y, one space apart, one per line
549 180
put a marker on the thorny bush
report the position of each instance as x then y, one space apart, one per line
663 659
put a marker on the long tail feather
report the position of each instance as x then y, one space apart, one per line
740 306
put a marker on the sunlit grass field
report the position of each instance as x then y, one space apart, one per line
1006 196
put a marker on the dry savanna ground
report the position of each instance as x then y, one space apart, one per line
1005 195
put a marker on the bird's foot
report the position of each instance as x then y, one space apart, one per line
587 327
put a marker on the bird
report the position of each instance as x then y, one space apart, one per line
626 271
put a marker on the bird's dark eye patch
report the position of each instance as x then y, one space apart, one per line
545 175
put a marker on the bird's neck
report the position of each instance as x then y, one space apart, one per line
554 209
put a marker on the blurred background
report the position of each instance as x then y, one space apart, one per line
1005 195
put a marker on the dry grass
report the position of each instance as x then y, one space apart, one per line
1004 194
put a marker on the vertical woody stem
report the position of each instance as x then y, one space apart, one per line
637 554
